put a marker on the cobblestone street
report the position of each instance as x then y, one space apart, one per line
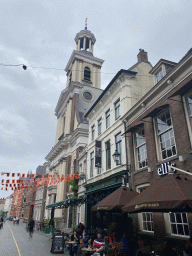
15 240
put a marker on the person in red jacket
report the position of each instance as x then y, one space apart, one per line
113 238
99 241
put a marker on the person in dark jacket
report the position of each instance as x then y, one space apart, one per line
85 238
31 226
75 247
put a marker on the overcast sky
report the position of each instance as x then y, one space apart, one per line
40 33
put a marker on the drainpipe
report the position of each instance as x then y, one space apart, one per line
128 165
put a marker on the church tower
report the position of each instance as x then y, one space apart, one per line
81 92
82 66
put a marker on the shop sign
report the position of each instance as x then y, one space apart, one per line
147 205
98 154
82 176
164 169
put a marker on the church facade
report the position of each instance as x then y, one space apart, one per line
81 92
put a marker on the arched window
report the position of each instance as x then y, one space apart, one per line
87 74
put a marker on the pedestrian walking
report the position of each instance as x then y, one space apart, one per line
31 226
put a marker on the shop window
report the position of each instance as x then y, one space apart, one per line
99 126
117 109
108 155
91 164
87 74
140 148
165 135
107 114
118 144
148 224
179 224
93 132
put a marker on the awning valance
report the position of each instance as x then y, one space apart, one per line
67 202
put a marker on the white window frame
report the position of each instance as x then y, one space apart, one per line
187 113
157 136
160 70
106 151
99 126
117 109
116 147
91 164
179 223
136 149
92 132
151 221
107 118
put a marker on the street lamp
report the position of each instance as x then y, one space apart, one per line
116 156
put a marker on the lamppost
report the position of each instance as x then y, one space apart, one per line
117 158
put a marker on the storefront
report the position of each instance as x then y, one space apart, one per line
95 192
158 129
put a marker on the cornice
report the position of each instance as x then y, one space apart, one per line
83 57
159 87
64 143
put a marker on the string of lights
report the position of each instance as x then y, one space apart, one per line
59 69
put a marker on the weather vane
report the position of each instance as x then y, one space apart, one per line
86 23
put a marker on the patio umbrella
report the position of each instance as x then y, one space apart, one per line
115 200
170 193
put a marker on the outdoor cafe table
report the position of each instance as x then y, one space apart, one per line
88 250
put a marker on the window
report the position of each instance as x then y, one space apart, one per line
87 74
118 146
108 155
165 135
107 114
189 104
179 223
141 150
91 164
93 132
98 170
117 109
159 75
148 221
99 126
188 110
70 77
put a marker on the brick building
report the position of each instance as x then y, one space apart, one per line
16 203
158 134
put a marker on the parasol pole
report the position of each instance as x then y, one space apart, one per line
180 170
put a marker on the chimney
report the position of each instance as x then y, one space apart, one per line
142 56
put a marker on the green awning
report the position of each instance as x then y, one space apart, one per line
57 205
67 202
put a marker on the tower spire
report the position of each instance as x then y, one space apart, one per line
86 23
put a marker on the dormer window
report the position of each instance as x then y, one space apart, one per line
159 75
87 74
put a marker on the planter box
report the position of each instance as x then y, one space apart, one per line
47 230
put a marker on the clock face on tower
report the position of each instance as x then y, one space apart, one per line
87 96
